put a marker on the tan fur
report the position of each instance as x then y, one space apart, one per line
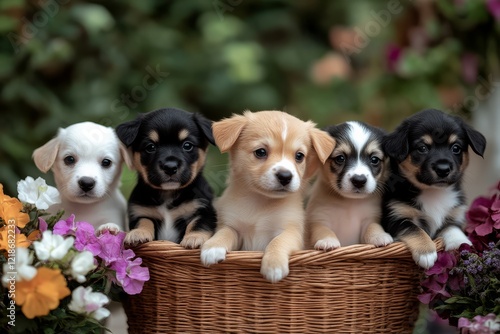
427 139
46 155
183 134
143 232
453 138
250 216
402 210
194 239
140 168
419 244
410 171
154 136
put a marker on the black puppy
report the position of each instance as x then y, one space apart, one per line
424 199
171 201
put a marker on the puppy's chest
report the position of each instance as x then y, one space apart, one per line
436 204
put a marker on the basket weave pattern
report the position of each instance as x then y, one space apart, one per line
354 289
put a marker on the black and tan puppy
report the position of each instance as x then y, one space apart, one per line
171 201
429 153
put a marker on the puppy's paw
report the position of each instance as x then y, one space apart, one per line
454 240
425 260
379 239
138 236
111 227
274 268
195 239
327 244
212 255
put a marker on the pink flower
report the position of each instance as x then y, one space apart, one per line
488 324
130 275
111 246
494 8
392 56
42 225
83 232
65 227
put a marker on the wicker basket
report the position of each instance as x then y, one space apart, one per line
354 289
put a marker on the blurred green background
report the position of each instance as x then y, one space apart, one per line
67 61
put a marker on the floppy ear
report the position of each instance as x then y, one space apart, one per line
127 132
227 131
205 125
323 145
46 155
476 139
127 156
396 144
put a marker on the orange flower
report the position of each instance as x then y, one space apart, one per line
10 209
42 294
21 240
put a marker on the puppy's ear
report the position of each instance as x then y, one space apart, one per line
396 145
46 155
227 131
127 156
127 132
476 139
205 125
323 145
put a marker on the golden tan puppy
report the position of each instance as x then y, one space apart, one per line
271 154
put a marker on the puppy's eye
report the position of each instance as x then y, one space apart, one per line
151 148
375 160
69 160
339 159
456 149
106 163
260 153
187 146
299 157
423 149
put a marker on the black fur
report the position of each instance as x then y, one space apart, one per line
169 161
406 142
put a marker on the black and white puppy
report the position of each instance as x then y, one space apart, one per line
429 153
345 206
172 200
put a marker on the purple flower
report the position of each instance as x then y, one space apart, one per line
111 246
488 324
65 227
42 225
392 57
85 238
494 8
130 275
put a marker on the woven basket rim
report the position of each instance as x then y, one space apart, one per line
359 252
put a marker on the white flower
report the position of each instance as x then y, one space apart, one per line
81 264
22 267
37 192
84 301
52 246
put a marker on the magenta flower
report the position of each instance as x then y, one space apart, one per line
85 238
129 274
65 227
111 246
42 225
494 8
392 56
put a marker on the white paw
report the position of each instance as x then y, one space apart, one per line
425 260
327 244
454 240
380 239
212 255
111 227
273 269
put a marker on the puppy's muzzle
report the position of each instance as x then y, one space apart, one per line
442 168
284 177
170 167
358 181
86 183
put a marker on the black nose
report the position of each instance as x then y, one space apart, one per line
442 169
358 180
86 183
284 177
170 167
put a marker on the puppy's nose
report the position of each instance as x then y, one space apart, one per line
284 177
358 180
442 169
170 167
86 183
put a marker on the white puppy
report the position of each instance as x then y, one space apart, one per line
86 159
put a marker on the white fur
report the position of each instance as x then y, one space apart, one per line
358 135
436 204
270 181
453 237
213 255
89 143
425 260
